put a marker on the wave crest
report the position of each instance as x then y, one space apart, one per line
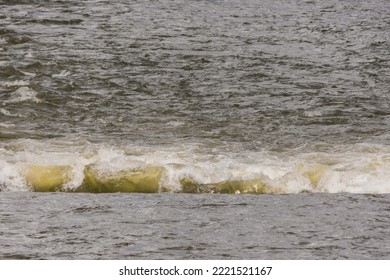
152 170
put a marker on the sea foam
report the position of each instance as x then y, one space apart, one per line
38 167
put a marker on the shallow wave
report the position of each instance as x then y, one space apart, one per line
85 167
23 94
15 83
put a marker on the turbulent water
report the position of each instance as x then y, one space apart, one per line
205 97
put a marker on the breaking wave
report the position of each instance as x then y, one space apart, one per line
35 166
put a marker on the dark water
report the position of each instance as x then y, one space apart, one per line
188 226
208 97
262 75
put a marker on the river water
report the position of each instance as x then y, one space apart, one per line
196 129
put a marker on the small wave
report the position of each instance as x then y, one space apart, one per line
176 123
29 54
313 113
145 180
23 94
15 83
63 73
5 112
16 39
46 178
5 125
10 71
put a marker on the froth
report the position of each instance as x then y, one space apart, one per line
5 112
15 83
23 94
355 169
63 73
10 178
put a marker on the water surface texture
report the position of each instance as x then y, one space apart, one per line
189 226
189 101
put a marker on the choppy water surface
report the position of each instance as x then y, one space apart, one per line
265 75
205 97
188 226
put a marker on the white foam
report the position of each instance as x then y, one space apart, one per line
29 54
23 94
313 113
15 83
32 153
111 160
176 123
10 178
5 112
62 74
28 73
6 125
354 169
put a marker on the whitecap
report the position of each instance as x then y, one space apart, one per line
6 125
28 73
5 112
176 123
63 73
29 55
15 83
314 113
23 94
10 178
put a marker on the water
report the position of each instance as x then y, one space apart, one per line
248 98
189 226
